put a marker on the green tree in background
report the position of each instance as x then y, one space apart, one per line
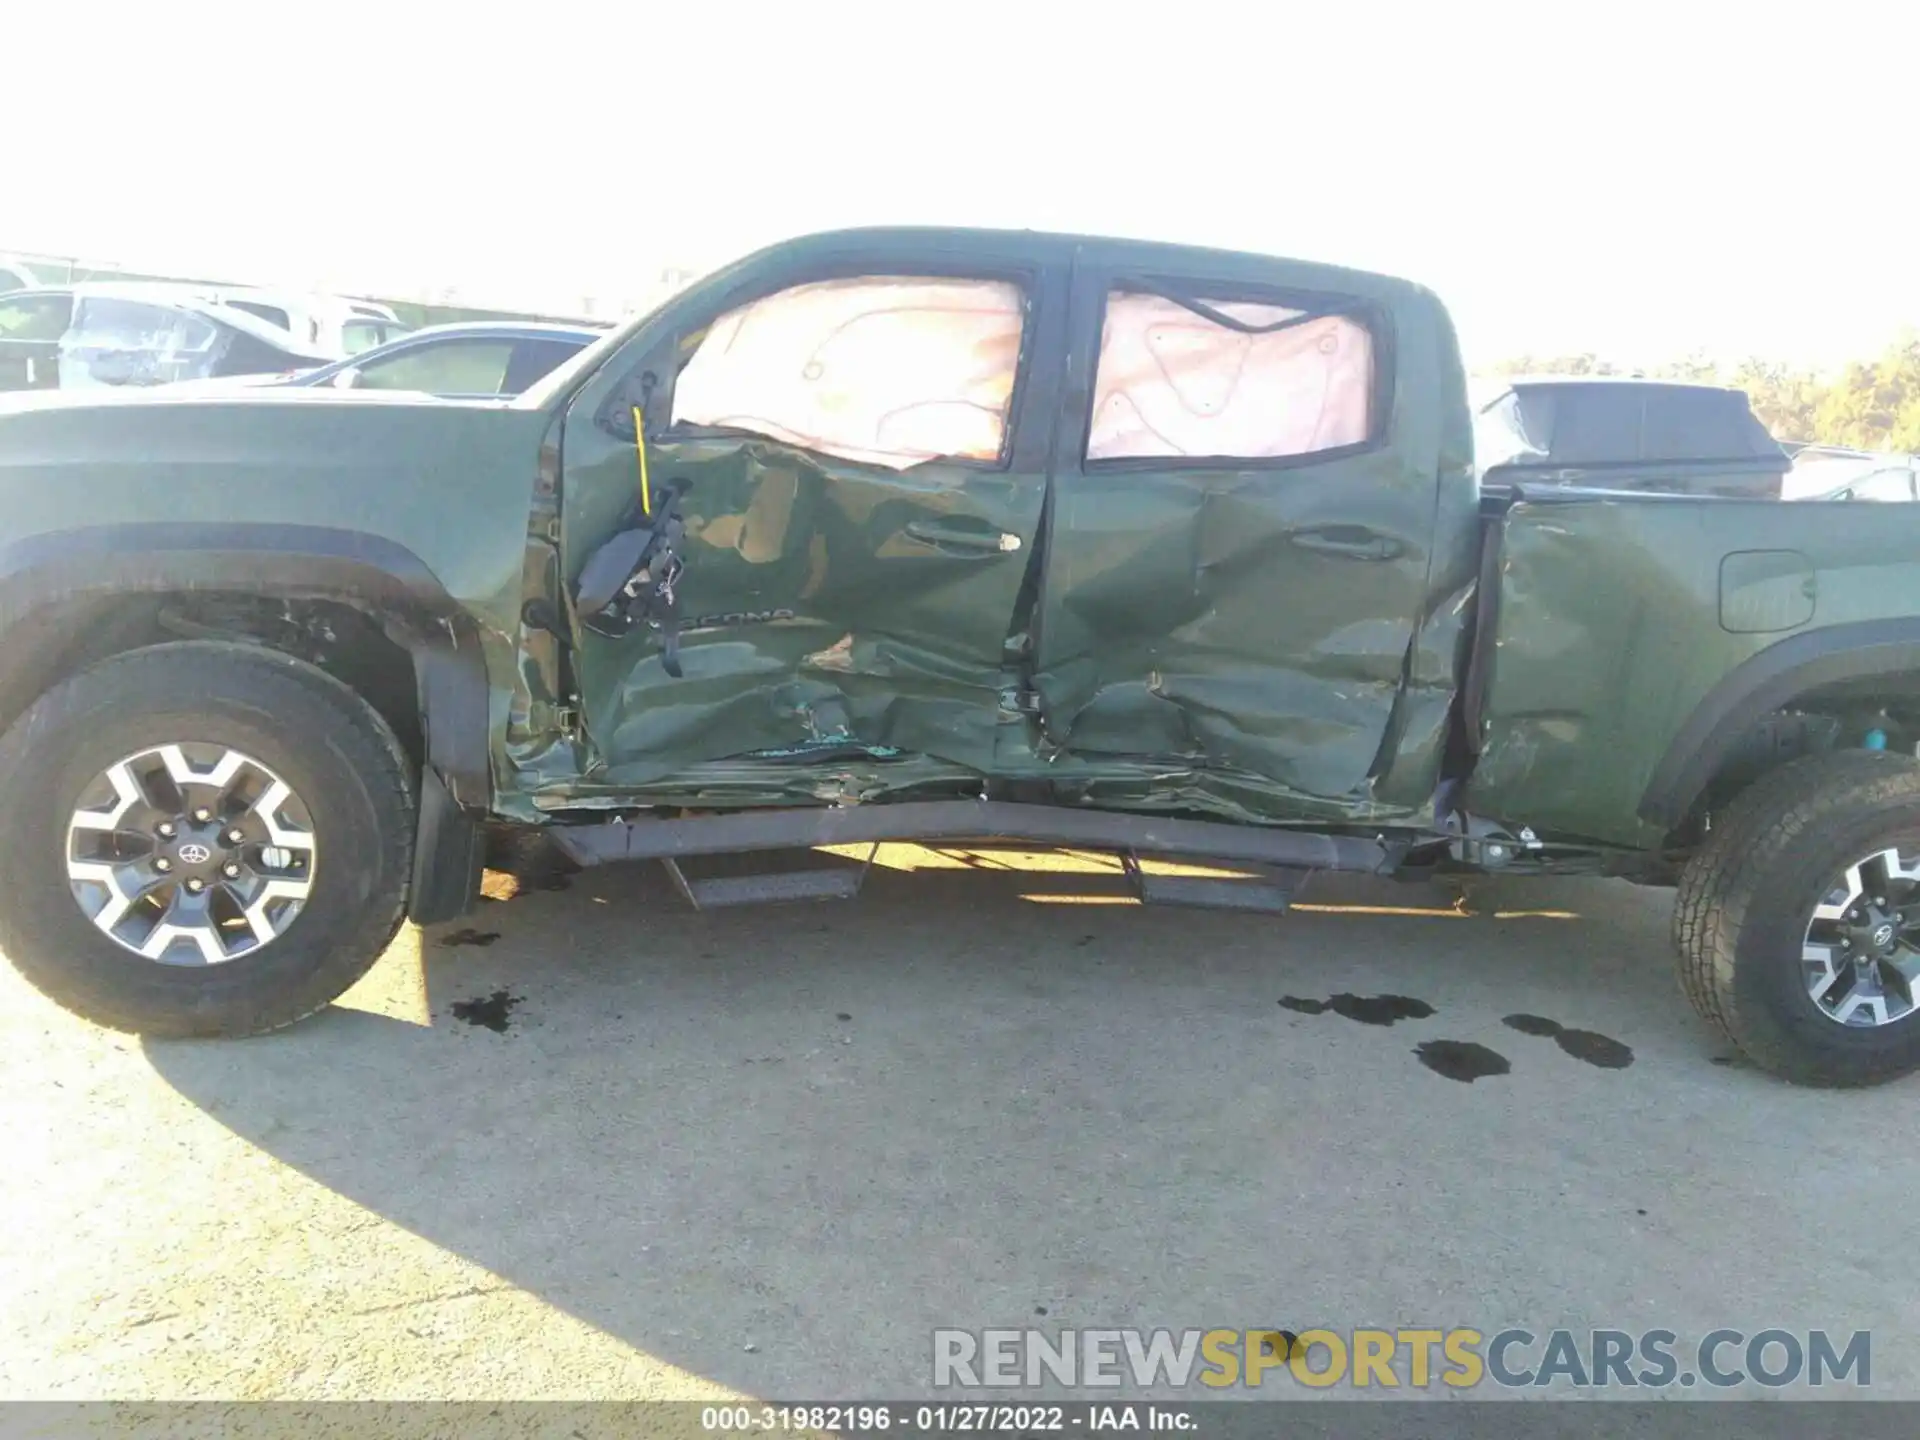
1868 405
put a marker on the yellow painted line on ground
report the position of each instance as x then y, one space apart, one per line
909 856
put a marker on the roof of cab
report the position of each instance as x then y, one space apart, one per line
959 241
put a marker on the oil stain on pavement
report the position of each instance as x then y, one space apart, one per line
1464 1060
493 1011
1588 1045
1367 1009
471 937
1461 1060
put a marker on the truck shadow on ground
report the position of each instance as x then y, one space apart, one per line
778 1147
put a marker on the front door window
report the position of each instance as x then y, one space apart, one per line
886 371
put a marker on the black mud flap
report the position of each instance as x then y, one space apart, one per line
447 856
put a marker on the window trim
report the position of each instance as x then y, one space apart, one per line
1375 316
1029 280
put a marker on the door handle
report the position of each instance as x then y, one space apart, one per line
1350 542
962 538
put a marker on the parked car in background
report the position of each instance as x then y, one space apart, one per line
330 324
477 358
109 334
1822 472
483 358
1618 433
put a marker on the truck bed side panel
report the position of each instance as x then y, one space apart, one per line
1617 617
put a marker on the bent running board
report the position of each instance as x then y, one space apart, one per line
717 892
1268 892
963 820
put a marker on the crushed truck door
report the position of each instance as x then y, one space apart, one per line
1244 501
855 444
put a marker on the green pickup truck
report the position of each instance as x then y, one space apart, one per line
934 535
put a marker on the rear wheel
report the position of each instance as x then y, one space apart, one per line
1798 923
209 839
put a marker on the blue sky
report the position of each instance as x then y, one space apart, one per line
1641 179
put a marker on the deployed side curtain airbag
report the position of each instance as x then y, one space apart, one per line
888 371
1173 380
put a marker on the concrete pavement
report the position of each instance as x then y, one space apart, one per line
767 1152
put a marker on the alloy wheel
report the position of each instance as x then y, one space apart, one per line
190 854
1861 955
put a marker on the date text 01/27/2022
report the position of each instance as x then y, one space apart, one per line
946 1419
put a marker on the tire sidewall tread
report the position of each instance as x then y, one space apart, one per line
327 743
1743 904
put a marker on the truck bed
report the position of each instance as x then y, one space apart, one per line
1610 620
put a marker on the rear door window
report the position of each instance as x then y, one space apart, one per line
1228 379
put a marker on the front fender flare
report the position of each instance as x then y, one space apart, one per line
370 572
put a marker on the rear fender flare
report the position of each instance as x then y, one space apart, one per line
1760 685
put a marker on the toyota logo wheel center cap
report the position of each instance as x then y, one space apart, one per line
194 853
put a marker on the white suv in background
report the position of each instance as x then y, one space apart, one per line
63 337
331 324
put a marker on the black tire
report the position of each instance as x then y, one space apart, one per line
1745 899
335 751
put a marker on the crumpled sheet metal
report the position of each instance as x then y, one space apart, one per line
811 615
1607 635
1612 629
861 691
1274 643
1101 783
1191 616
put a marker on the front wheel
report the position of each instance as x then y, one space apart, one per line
204 839
1798 923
